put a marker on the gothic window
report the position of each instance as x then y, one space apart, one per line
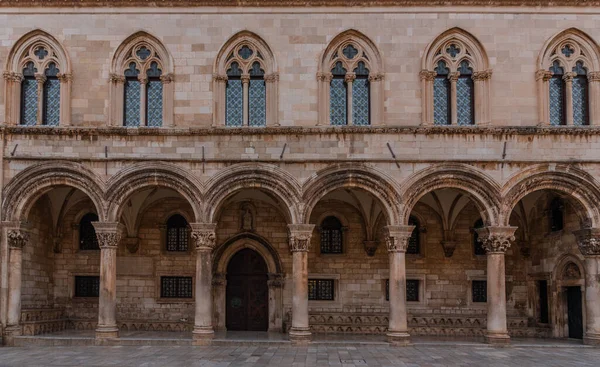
331 236
87 286
455 74
246 83
39 72
87 233
177 233
176 287
320 289
414 246
477 246
141 83
569 64
350 82
556 215
479 291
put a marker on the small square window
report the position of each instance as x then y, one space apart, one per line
87 286
320 289
176 287
479 290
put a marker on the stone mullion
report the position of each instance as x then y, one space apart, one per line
40 79
299 241
453 77
496 240
245 101
109 235
588 241
143 100
17 239
204 237
397 238
349 79
568 78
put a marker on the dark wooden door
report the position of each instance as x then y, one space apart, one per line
574 312
247 292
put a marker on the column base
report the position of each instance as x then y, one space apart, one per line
499 339
398 338
107 332
591 339
8 337
300 335
202 335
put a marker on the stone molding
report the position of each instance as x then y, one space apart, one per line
109 234
299 236
588 240
204 236
397 237
17 238
496 240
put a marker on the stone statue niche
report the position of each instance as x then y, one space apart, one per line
247 212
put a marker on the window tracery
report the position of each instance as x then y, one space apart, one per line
38 82
141 83
350 82
567 77
246 83
455 80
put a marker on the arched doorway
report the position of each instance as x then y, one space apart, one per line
247 295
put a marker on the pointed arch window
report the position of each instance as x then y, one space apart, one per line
567 79
177 233
39 76
245 83
141 83
331 236
455 74
87 233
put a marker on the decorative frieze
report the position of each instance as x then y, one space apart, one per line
203 235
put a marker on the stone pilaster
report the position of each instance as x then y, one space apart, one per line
204 237
495 241
397 238
17 238
109 235
588 240
299 237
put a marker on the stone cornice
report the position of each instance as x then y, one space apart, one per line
282 130
292 3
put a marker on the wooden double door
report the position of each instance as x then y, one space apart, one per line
247 294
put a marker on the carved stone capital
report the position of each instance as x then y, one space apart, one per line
370 247
167 78
594 76
245 78
65 77
17 238
349 77
376 77
109 234
568 77
7 75
299 236
220 78
482 75
496 239
272 78
116 78
142 79
427 75
16 77
453 76
324 77
40 78
204 236
397 237
543 74
588 240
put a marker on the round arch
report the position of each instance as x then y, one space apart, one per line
30 184
145 175
374 182
275 181
477 185
571 182
253 241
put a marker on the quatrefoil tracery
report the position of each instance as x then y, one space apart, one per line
144 57
349 56
245 59
42 56
454 54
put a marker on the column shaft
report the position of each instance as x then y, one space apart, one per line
107 310
299 237
592 300
204 238
496 297
17 239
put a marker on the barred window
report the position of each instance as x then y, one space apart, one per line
87 233
338 96
177 233
414 246
321 289
441 95
465 95
176 287
412 290
479 290
132 96
257 95
477 246
234 96
87 286
580 95
51 105
557 95
361 96
331 236
29 96
154 96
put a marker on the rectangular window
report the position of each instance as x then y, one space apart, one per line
154 102
464 101
412 290
557 100
234 103
479 290
441 100
176 287
87 286
360 101
51 115
132 102
257 103
338 102
543 295
580 101
320 289
29 102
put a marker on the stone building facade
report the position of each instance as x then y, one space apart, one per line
411 169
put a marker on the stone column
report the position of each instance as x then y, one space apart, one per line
349 79
143 100
427 77
453 111
299 237
396 238
589 244
204 237
65 98
495 241
17 239
246 86
542 78
109 235
40 79
482 96
116 95
568 78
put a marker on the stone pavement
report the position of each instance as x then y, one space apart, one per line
344 356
